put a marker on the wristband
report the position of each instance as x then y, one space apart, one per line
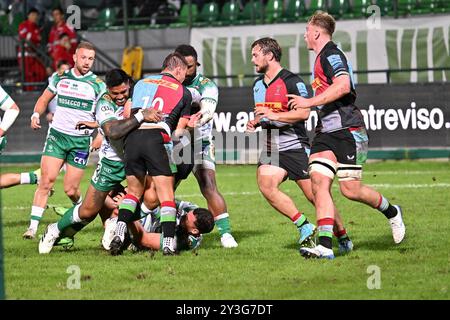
139 116
35 115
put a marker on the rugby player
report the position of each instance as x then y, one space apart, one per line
145 148
110 170
287 156
340 145
11 112
77 91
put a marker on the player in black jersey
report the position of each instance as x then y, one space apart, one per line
341 142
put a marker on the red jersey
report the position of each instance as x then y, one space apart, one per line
55 34
61 53
31 32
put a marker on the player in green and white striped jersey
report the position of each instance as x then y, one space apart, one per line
11 112
77 91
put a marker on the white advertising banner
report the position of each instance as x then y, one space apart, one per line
389 44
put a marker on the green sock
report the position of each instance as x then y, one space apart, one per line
33 178
222 223
66 220
73 229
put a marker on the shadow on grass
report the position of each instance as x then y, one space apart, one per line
381 243
212 241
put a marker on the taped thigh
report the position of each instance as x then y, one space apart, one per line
346 172
323 166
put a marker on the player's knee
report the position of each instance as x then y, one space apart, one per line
208 189
71 191
267 190
349 193
46 183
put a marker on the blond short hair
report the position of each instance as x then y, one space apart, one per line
323 20
86 45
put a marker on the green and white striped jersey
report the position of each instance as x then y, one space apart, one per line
107 110
5 100
77 97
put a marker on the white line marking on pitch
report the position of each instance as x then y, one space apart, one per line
251 193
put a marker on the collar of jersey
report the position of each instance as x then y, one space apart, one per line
168 74
82 76
328 45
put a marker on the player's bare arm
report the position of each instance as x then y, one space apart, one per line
86 125
116 129
40 107
339 88
288 117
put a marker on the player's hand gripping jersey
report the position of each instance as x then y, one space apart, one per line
76 100
273 96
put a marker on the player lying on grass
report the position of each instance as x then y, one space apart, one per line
145 231
8 180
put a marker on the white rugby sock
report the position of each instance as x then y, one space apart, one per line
36 216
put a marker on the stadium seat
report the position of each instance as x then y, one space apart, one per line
405 7
17 20
295 11
105 20
4 24
208 15
274 11
252 13
339 8
424 7
164 16
183 18
85 4
359 8
317 5
229 14
386 7
442 6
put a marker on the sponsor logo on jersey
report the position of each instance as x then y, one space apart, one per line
316 84
336 62
274 106
163 83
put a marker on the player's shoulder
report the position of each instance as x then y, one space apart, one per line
260 79
58 76
332 51
96 82
106 98
62 73
205 81
289 75
106 103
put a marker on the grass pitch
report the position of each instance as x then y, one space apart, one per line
267 264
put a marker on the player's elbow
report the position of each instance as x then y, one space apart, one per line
113 134
344 86
15 107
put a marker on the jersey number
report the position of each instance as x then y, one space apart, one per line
157 103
